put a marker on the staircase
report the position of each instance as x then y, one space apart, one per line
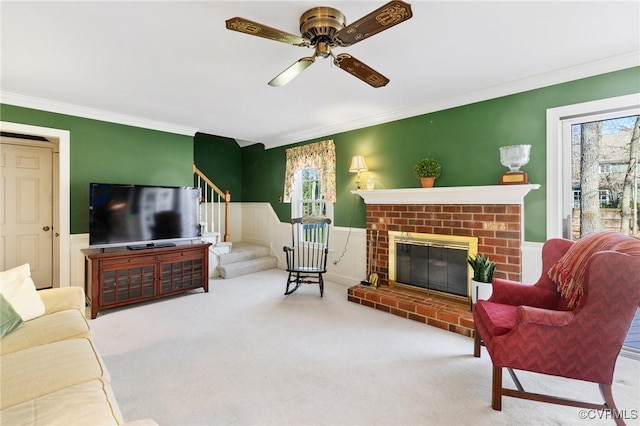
245 259
226 259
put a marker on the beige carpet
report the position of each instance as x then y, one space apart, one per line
244 354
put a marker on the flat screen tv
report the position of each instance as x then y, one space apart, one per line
142 216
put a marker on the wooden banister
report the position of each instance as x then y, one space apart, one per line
226 196
202 176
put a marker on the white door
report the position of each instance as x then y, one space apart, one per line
26 215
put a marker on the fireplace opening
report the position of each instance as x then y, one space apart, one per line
430 267
432 262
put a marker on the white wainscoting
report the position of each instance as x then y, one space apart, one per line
258 224
351 267
531 262
77 242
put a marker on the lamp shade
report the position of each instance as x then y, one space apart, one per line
358 164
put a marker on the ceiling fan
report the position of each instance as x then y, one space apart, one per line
323 28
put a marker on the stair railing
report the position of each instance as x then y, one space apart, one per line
212 198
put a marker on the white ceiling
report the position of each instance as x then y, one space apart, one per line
174 62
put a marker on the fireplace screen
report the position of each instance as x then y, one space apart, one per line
432 267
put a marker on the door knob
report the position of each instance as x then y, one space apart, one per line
45 228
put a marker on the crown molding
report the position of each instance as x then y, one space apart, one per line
94 114
590 69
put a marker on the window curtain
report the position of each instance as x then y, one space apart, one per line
319 155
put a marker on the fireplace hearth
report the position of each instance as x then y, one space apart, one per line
441 312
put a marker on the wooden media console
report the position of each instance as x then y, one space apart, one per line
117 277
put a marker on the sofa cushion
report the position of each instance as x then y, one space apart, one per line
498 318
40 370
50 328
18 288
9 318
89 402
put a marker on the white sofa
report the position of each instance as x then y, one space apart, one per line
50 371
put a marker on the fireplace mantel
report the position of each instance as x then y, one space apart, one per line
488 194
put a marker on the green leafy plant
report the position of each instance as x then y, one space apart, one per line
483 268
427 167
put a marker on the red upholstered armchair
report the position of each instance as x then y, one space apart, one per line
570 326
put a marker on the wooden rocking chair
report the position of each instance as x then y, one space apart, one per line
307 256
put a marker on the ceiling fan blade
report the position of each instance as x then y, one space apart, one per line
253 28
359 70
379 20
292 72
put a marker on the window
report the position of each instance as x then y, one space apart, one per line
563 143
576 198
307 198
604 195
559 166
310 180
311 169
614 167
602 151
605 168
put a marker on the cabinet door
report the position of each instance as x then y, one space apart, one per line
127 280
181 271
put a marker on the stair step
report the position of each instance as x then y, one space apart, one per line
245 267
243 251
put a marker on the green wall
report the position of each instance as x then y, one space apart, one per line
112 153
220 159
465 140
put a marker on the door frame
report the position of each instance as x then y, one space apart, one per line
63 139
558 152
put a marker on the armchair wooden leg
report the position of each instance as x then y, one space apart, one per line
476 343
496 391
605 390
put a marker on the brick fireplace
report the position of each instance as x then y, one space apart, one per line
492 214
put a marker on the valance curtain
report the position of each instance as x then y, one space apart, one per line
319 155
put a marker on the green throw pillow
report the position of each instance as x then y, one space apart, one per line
9 318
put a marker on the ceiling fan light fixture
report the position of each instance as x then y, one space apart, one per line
292 72
323 49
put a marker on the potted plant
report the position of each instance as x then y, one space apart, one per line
483 270
427 170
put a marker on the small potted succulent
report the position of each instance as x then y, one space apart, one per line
483 270
427 170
